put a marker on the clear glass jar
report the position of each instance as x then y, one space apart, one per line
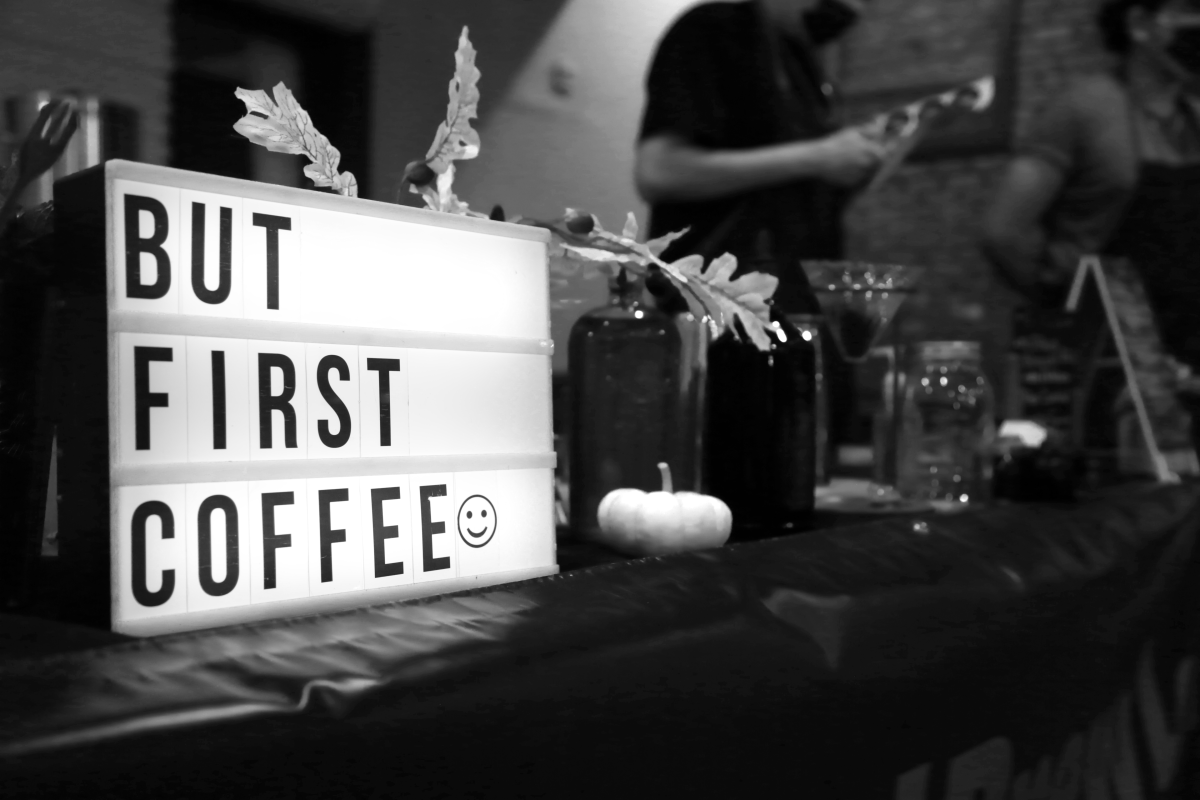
947 427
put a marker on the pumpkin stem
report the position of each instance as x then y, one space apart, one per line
666 477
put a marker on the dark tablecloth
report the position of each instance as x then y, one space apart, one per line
1015 652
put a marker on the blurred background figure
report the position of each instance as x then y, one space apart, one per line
741 139
1113 166
741 142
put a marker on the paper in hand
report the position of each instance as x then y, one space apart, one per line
903 128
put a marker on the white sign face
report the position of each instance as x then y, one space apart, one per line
319 402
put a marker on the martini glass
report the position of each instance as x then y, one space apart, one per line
859 300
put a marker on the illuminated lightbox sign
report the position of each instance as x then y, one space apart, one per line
283 401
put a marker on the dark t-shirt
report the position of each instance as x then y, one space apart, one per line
714 83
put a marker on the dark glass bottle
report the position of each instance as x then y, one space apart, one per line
760 432
626 377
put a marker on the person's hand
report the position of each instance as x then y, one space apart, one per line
849 157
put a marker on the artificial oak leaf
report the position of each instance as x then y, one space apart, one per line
720 269
602 246
283 126
744 300
759 284
724 301
456 206
657 246
692 269
444 189
755 329
269 134
456 139
752 289
601 256
342 182
430 192
257 101
439 195
756 304
346 184
644 253
581 236
692 266
630 231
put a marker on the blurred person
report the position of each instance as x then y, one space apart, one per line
741 140
1112 166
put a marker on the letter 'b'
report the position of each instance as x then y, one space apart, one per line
135 246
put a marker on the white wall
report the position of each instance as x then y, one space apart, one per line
545 150
118 50
542 151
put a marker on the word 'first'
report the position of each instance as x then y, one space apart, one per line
206 399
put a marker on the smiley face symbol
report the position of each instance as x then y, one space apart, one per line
477 520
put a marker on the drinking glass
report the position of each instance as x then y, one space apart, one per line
859 300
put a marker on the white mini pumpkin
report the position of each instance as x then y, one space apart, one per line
655 523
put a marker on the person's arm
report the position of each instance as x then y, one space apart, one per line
1014 240
690 103
1019 235
669 169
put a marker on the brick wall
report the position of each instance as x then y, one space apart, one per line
930 212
